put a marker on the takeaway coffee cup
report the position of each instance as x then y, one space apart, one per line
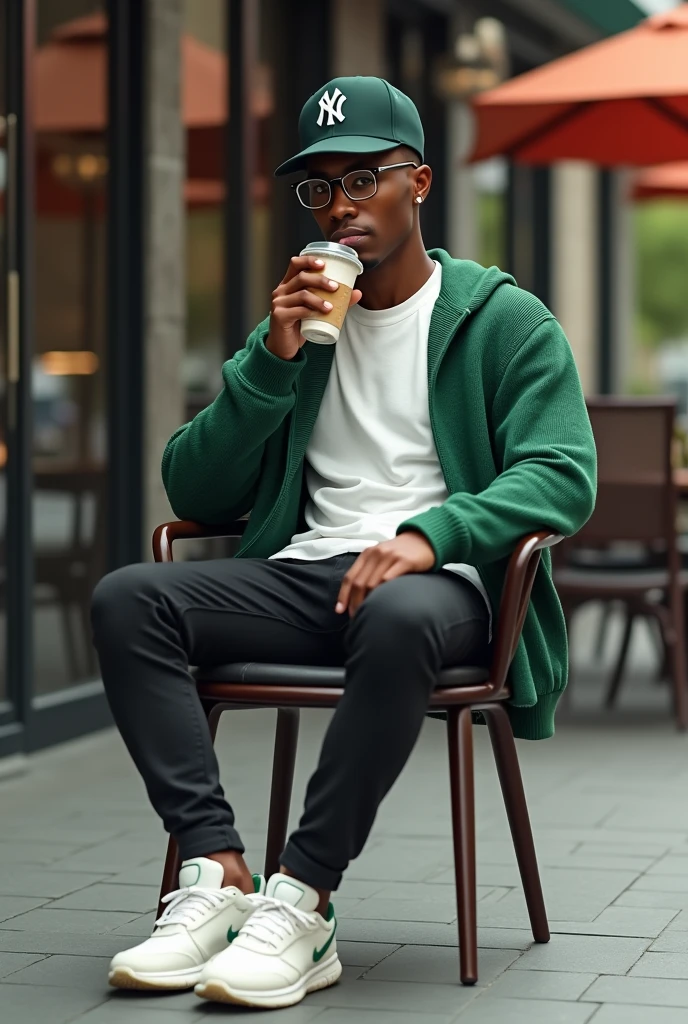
342 265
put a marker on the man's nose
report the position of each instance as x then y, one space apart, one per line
340 205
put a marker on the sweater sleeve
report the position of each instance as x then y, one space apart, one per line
546 459
211 466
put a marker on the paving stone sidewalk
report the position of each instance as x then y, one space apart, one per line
81 857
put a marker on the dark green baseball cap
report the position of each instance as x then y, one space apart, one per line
356 115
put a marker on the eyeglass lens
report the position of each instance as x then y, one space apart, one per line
316 192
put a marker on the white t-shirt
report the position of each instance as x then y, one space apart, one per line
371 461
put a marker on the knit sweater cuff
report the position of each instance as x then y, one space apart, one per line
449 538
537 722
265 372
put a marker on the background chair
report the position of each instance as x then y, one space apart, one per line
459 693
69 556
636 509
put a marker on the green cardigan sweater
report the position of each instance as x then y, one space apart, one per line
512 434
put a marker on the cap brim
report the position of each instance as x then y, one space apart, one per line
336 144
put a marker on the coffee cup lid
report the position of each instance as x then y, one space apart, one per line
333 249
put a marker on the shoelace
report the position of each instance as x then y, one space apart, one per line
274 919
187 905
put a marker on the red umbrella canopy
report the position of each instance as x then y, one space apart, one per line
71 114
669 181
71 81
621 101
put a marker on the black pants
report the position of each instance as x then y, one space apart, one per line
152 621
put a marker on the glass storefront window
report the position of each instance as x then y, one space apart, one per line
68 374
3 377
206 25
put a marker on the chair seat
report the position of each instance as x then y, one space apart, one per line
315 675
637 559
605 582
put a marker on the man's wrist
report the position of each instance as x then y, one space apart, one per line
275 350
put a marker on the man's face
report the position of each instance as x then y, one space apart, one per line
374 227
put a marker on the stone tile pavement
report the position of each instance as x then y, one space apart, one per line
81 858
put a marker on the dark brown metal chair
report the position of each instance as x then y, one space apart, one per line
459 693
637 502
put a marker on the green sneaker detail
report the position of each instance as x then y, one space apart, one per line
318 954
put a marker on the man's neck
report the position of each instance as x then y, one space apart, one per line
398 277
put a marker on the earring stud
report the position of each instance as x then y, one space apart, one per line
419 199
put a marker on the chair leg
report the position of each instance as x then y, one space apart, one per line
677 649
173 861
602 627
85 614
617 676
663 653
460 737
170 872
284 760
70 641
510 779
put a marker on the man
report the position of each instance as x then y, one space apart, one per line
389 477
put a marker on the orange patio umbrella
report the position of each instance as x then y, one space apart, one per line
668 181
623 100
71 110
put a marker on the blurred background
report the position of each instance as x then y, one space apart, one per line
142 233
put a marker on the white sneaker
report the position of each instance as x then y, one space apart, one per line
285 950
200 920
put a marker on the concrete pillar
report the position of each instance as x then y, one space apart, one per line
358 38
165 263
575 270
623 270
462 195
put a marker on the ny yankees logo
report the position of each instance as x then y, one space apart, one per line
331 107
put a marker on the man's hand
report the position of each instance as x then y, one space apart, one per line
292 302
407 553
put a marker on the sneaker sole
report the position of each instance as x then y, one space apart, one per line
318 977
125 977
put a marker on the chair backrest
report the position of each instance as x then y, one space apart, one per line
636 497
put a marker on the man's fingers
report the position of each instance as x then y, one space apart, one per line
373 580
286 305
370 576
373 566
381 571
349 582
299 263
361 585
308 279
356 296
343 596
398 568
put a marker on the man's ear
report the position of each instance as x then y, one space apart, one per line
423 181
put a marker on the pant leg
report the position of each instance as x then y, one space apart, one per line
402 635
152 621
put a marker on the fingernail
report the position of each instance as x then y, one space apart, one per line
327 305
320 263
333 284
339 608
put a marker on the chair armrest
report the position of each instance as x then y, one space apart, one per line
184 529
518 585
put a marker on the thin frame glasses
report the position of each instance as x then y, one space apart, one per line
353 184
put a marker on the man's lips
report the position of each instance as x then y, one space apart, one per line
349 236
